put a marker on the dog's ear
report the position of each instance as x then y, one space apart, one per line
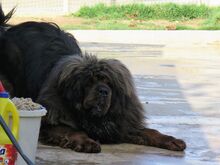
50 99
69 81
71 66
56 89
57 110
120 76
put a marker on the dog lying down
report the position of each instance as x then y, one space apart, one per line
90 101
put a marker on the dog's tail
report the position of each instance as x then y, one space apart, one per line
5 18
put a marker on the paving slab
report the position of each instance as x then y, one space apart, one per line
171 38
180 89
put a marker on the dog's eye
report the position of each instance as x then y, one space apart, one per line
106 81
99 77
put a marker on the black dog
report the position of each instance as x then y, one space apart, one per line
88 100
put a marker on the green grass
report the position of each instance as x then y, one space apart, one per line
213 22
169 11
183 27
112 17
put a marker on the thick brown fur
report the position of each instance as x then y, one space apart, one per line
89 100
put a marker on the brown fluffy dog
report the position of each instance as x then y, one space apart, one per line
89 101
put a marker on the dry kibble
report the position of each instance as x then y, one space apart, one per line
26 104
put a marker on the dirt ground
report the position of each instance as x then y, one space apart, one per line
60 20
82 23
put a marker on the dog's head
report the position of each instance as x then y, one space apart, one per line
94 86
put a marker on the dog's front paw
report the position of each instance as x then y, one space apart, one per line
174 144
88 146
80 143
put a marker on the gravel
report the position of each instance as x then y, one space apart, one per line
26 104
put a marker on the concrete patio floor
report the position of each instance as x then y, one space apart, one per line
182 87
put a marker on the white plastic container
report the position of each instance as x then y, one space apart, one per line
29 133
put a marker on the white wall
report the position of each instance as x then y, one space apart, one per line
207 2
61 7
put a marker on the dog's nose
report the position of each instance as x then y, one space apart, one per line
103 91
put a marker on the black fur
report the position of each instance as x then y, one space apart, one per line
32 49
71 83
87 99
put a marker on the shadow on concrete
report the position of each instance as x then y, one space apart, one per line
169 111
